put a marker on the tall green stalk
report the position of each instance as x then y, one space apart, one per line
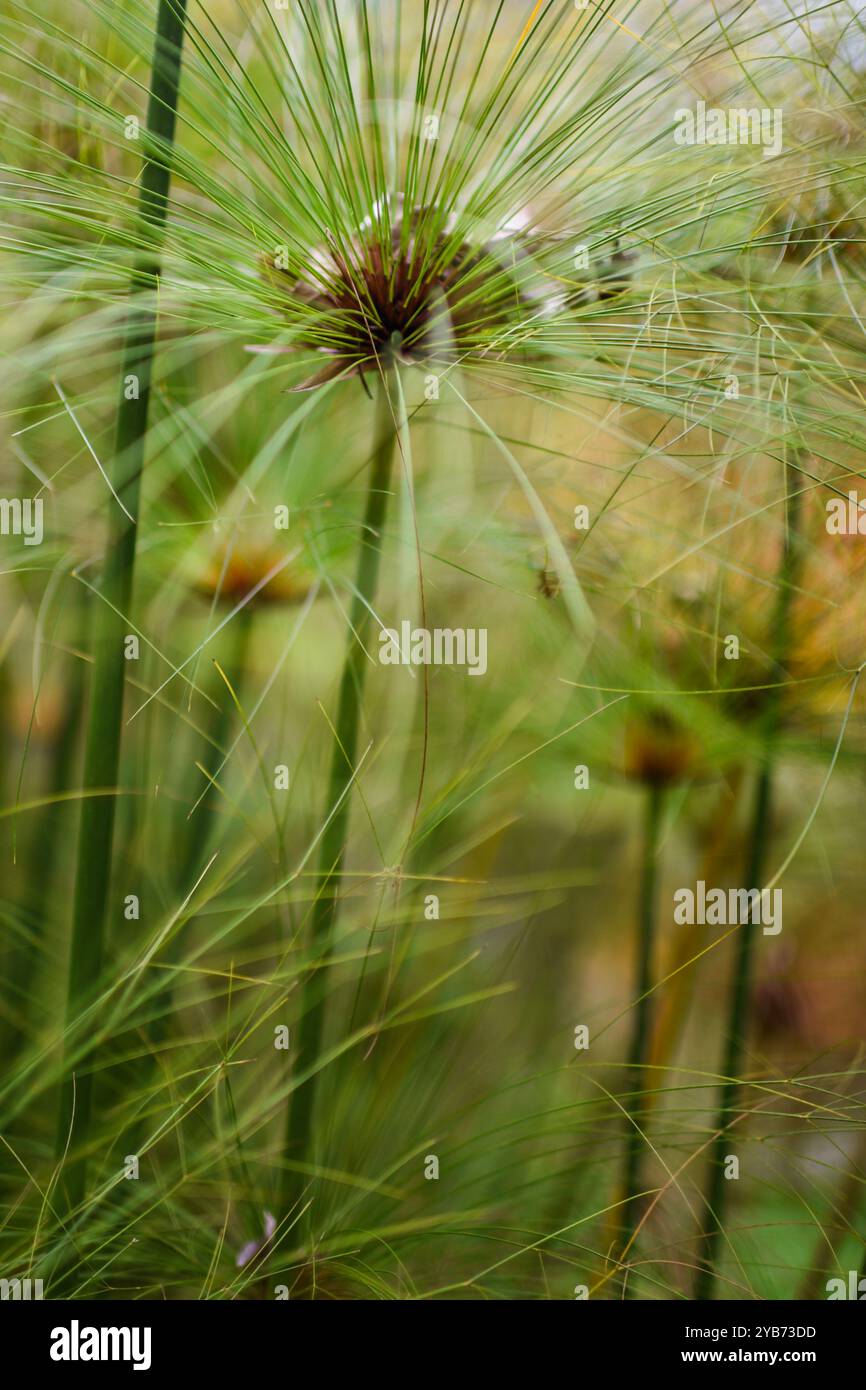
102 747
333 844
22 962
195 833
192 836
637 1055
848 1214
717 1186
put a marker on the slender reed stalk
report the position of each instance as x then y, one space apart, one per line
28 947
846 1217
759 835
332 849
23 961
193 834
196 831
102 746
640 1038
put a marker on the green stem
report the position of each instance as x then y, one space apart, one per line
193 834
643 984
847 1217
717 1187
333 844
102 747
198 829
24 959
736 1028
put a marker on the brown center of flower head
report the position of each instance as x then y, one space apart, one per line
405 284
253 573
415 285
658 752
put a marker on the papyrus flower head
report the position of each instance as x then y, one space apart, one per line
428 286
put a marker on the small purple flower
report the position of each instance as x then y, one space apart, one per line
252 1247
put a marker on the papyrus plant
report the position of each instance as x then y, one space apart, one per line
468 206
